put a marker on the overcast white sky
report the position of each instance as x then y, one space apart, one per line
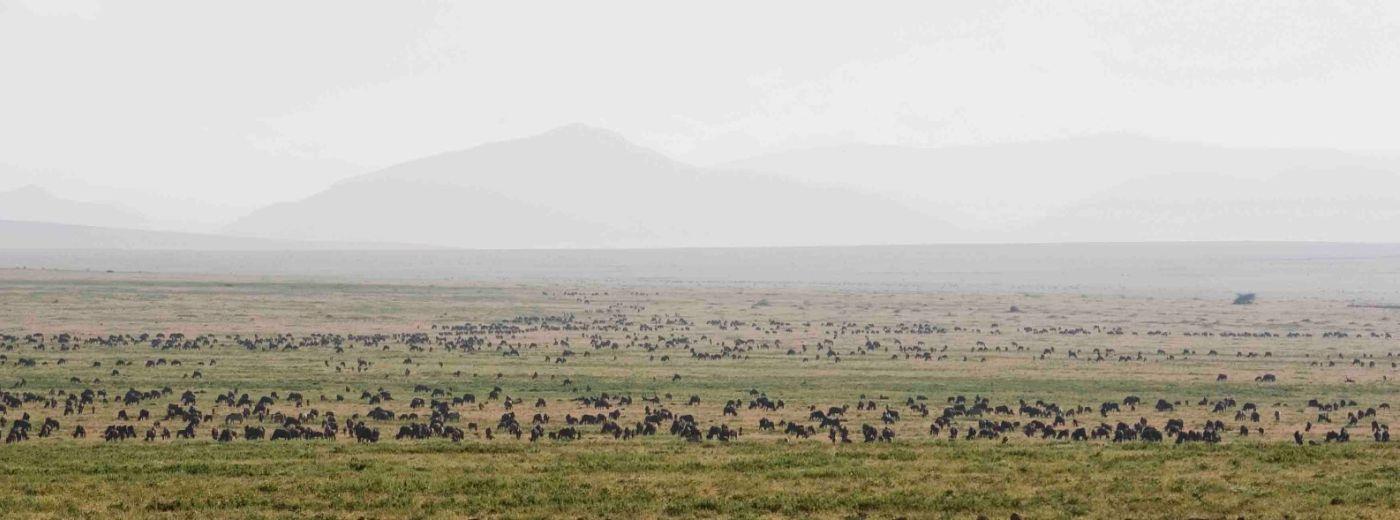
213 108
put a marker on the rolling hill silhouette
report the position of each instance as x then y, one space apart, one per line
578 186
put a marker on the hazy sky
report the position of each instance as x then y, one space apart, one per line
202 110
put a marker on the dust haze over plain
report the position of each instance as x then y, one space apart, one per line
643 125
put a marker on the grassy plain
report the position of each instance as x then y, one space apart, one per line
739 341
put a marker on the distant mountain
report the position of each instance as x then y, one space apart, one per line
1301 204
32 203
20 235
1121 188
579 186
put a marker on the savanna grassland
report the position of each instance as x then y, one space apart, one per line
977 402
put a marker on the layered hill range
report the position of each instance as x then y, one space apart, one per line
583 187
21 235
35 204
1122 188
578 186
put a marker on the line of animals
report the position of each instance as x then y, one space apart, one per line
506 338
571 336
976 418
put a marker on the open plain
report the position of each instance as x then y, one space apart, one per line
161 395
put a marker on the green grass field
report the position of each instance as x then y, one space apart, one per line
807 347
917 479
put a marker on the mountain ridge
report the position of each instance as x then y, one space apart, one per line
577 186
16 235
1023 192
32 202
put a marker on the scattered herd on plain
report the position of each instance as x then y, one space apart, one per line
437 412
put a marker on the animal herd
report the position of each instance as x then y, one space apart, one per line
553 407
275 416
